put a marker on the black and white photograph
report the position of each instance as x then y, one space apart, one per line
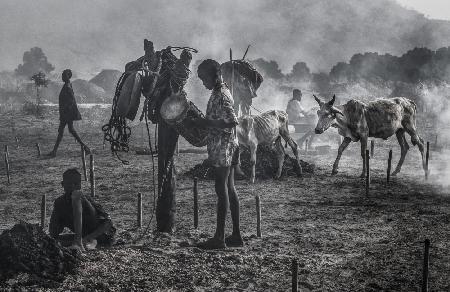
257 145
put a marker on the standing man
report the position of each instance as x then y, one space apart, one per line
68 112
223 153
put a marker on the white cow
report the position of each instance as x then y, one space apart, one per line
266 128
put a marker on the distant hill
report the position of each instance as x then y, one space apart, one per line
107 80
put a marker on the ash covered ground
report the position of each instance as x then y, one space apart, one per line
343 240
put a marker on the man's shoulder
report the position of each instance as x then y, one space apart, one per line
222 92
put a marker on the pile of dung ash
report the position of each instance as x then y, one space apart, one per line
266 165
25 248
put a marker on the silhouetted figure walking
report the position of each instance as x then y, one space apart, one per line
68 112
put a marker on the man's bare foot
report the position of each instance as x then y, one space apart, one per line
234 241
212 243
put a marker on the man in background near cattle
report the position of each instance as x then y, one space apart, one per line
223 153
86 218
294 109
68 112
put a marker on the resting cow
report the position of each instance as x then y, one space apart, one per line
381 118
266 128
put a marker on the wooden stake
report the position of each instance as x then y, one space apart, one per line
427 157
139 211
372 148
17 142
83 161
38 150
6 150
7 168
294 270
258 216
426 259
195 202
92 176
367 172
389 166
43 210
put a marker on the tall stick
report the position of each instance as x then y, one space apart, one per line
427 157
258 216
17 142
43 210
38 150
139 211
83 161
294 270
389 166
92 176
372 148
426 259
6 150
367 172
246 51
195 202
7 168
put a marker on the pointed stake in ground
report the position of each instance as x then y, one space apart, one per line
294 270
92 175
367 172
426 259
427 157
43 210
7 168
83 161
195 202
38 150
372 148
389 166
139 211
258 216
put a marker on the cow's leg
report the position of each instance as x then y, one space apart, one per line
341 149
363 142
294 147
403 149
253 148
280 156
416 140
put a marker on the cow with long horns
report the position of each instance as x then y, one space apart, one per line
381 118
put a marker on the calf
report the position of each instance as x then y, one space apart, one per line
380 118
266 128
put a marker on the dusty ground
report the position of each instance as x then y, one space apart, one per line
343 240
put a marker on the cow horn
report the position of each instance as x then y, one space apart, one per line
318 100
331 102
337 111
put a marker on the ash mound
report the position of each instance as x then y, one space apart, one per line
266 165
25 248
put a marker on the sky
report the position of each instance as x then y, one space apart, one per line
438 9
90 35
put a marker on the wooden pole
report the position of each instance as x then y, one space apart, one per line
258 216
6 150
92 176
83 161
7 168
294 270
195 202
38 150
43 210
389 166
17 142
427 157
139 211
372 148
367 172
426 259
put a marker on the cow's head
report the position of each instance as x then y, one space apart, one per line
326 113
